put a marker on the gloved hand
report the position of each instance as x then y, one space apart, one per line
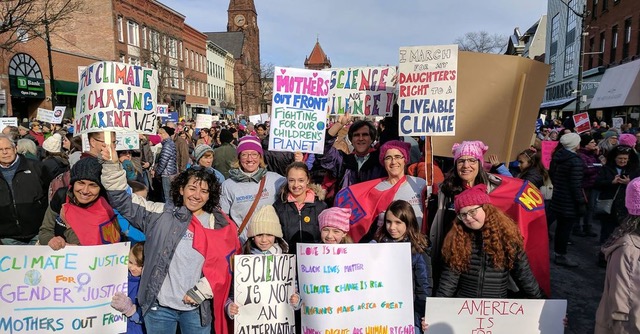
123 304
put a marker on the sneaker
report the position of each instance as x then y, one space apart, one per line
563 260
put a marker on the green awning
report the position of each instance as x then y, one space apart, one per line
66 87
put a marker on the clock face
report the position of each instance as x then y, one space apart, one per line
240 20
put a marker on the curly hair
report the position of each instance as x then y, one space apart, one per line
182 180
501 241
404 211
284 191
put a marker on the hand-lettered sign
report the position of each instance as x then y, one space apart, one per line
51 116
8 121
496 316
116 97
427 88
299 116
362 91
582 123
356 288
263 285
66 291
203 121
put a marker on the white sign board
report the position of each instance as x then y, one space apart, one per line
8 121
127 141
427 88
203 121
362 91
617 122
255 119
51 116
66 291
356 288
263 285
299 115
495 316
162 110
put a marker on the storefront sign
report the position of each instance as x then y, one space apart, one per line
27 87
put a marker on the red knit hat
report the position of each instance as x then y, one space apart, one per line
398 145
476 195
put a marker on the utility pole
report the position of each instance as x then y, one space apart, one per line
583 37
51 77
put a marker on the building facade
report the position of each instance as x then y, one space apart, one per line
216 77
195 72
317 59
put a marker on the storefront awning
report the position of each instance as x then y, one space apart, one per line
66 88
556 103
620 86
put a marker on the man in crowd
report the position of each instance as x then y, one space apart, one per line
23 195
225 154
166 167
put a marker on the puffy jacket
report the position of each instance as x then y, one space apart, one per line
167 164
163 224
482 280
566 173
23 210
300 225
534 176
592 167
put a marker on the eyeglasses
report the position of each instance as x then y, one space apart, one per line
623 149
208 170
471 213
249 155
471 161
394 157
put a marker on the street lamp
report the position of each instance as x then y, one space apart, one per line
583 36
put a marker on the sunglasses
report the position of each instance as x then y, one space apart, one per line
208 170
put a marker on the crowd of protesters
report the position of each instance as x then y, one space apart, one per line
223 182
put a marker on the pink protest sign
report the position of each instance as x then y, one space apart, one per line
548 146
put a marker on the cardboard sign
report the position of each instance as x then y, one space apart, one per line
126 141
547 148
362 91
427 89
356 288
582 123
162 110
496 96
51 116
495 316
68 291
299 114
203 121
8 121
263 285
116 97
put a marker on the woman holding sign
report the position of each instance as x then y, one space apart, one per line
183 270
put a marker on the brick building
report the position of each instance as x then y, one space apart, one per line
195 71
317 59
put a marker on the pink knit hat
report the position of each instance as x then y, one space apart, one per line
475 148
632 199
335 217
398 145
627 139
247 143
476 195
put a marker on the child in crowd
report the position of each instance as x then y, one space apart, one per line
401 225
531 168
127 165
264 238
334 226
128 304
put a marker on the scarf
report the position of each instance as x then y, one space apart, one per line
238 175
273 250
94 225
218 246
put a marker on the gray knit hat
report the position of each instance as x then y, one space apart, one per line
200 151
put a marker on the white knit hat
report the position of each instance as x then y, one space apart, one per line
265 221
53 144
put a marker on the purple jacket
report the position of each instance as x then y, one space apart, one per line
591 168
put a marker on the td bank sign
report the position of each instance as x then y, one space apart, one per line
27 87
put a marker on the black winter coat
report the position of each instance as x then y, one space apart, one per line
567 171
534 176
608 189
482 280
23 210
299 226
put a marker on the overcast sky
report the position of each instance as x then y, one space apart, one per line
363 32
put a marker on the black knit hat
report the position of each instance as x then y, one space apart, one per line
168 130
226 136
86 169
585 139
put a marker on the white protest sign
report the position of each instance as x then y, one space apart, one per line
299 116
58 113
617 122
215 118
362 91
427 87
264 117
356 288
127 141
44 115
263 285
203 121
116 97
255 119
162 110
68 291
8 121
496 316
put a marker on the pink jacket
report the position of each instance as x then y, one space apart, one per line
619 309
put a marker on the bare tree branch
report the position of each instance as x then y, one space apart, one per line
482 41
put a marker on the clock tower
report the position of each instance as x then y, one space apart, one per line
244 18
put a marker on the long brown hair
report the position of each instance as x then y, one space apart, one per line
284 191
404 211
501 241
